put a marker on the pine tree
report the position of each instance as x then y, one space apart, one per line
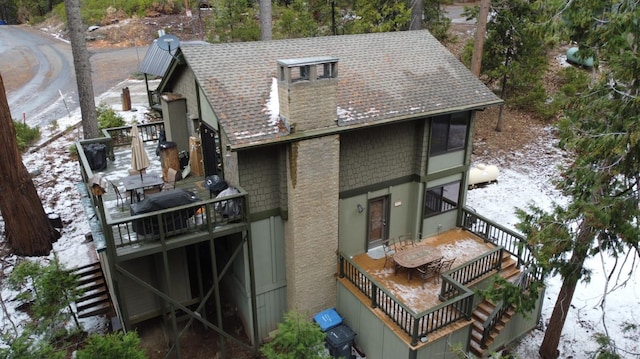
601 129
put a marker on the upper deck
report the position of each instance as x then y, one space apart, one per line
131 234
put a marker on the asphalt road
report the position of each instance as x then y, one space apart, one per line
37 68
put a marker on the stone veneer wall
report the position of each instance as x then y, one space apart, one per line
311 231
309 105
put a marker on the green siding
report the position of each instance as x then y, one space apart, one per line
445 161
443 348
404 216
379 154
271 290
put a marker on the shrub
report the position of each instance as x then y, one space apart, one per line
107 117
113 345
297 337
25 134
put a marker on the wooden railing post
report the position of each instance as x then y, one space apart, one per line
341 260
374 295
414 334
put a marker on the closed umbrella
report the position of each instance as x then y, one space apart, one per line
139 158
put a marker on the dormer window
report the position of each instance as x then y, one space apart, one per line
307 69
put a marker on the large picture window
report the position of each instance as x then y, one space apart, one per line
449 133
442 199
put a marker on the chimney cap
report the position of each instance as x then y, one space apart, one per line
306 61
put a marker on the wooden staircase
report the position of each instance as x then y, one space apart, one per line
94 299
510 272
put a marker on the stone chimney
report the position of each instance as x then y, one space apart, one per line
307 90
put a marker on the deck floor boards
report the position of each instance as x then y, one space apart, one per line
456 243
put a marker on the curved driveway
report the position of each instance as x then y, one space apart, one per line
37 68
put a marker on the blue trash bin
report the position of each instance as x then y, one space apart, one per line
328 319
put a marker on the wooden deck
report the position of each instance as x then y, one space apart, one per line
457 243
118 169
118 208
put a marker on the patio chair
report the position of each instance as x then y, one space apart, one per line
445 265
172 177
405 241
119 197
388 252
429 270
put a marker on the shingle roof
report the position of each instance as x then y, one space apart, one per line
381 76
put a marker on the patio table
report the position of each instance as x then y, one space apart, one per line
414 257
134 182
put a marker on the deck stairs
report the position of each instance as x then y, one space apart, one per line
95 299
510 272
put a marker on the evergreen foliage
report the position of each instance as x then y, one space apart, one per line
113 345
297 337
514 57
601 129
49 289
379 16
28 346
108 117
25 134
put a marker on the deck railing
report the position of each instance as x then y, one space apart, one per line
489 262
512 242
456 297
135 229
121 136
523 282
201 216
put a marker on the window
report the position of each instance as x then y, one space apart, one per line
449 133
442 199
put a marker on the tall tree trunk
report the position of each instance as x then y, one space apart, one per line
265 20
417 10
83 69
27 226
481 29
549 346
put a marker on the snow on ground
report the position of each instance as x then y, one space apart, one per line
529 180
55 178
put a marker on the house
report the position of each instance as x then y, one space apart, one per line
336 144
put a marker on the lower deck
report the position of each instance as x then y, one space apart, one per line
414 293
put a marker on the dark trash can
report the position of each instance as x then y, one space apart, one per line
339 341
96 154
215 184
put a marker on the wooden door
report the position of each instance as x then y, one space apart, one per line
378 220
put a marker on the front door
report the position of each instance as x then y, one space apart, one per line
378 220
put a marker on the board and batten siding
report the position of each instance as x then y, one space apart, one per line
271 286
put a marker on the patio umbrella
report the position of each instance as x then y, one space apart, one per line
139 158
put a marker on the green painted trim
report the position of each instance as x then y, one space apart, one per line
275 212
299 136
448 172
378 186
